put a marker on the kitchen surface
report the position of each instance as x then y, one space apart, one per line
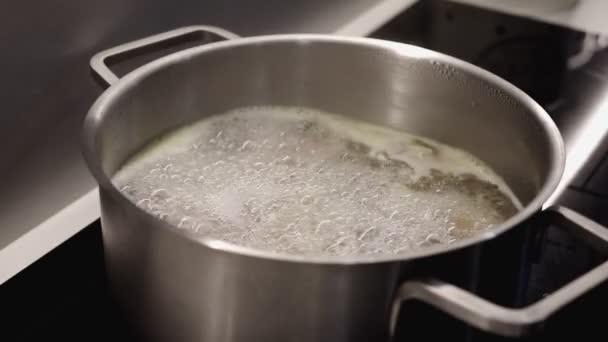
53 283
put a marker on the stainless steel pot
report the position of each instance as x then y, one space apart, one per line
177 287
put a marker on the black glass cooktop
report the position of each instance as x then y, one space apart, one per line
64 295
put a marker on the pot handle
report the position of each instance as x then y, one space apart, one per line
500 320
152 43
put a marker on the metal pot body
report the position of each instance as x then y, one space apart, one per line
179 288
175 290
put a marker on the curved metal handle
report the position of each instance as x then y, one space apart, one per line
493 318
98 62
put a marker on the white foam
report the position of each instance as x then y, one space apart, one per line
299 181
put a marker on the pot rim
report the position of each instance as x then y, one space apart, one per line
98 111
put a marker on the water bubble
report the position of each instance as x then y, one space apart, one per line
365 232
144 203
259 165
160 193
306 200
246 144
301 183
322 225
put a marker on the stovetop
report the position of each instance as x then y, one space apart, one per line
63 296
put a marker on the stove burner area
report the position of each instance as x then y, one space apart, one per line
64 295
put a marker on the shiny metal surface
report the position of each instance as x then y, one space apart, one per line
98 62
186 288
508 321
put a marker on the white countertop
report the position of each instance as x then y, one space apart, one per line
584 15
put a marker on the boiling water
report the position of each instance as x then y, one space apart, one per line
298 181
